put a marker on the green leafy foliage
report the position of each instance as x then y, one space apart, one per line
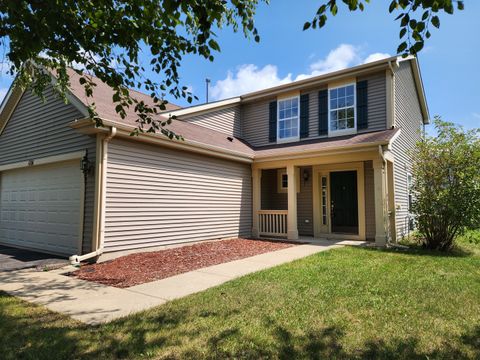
446 185
415 16
121 41
106 38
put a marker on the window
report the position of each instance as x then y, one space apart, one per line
411 220
284 181
324 200
288 119
409 191
342 117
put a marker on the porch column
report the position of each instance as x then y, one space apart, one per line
256 200
380 202
292 228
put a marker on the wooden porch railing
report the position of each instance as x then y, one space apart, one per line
272 222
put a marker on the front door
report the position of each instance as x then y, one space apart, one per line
344 202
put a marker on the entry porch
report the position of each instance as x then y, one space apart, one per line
344 195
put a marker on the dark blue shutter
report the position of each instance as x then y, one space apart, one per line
362 104
272 122
323 112
304 116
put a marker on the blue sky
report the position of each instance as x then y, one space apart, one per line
449 63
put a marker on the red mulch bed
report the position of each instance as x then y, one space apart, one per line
144 267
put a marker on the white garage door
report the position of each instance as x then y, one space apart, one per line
40 207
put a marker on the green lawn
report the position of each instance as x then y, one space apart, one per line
344 303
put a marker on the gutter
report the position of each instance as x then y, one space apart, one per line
76 259
320 152
124 130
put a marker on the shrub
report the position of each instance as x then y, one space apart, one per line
446 184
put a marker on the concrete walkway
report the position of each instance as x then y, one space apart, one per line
94 303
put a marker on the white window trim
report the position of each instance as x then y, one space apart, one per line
332 133
292 138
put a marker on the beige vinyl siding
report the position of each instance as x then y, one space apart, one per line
255 122
226 120
408 117
369 201
274 200
40 129
255 115
158 196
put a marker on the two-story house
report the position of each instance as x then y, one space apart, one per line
325 157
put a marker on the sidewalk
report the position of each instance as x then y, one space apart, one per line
94 303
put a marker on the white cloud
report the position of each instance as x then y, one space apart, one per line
375 57
249 77
340 58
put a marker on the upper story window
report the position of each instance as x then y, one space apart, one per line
342 116
288 119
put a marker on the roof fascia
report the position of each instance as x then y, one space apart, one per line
204 107
317 80
87 126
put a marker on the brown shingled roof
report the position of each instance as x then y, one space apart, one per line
383 136
102 97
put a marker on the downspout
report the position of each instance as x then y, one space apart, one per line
76 259
392 91
385 194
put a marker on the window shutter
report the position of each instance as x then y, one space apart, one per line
304 116
323 112
362 104
272 123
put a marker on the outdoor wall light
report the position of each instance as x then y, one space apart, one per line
86 165
306 175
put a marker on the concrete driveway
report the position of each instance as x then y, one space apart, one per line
17 259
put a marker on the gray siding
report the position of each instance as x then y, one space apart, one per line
305 204
377 102
255 115
369 201
39 129
226 120
273 200
158 196
408 117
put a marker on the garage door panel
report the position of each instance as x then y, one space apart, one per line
40 207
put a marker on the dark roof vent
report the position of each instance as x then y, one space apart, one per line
230 138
